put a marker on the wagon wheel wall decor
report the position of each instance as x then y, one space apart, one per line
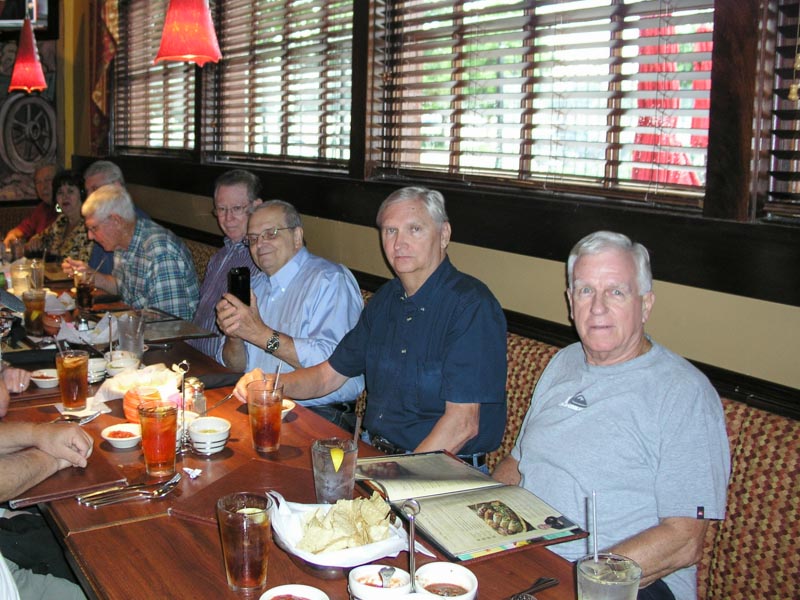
28 125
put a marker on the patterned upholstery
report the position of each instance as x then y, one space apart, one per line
527 359
753 552
201 254
11 216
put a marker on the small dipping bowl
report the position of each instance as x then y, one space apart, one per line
286 407
122 435
294 589
97 369
364 583
443 574
117 366
209 434
51 322
45 378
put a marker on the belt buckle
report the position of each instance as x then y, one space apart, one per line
384 445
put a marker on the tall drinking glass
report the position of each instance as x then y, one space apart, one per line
264 404
244 527
612 577
73 378
159 420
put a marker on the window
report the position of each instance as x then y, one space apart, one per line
783 199
153 104
281 92
590 95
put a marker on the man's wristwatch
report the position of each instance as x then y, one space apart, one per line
273 343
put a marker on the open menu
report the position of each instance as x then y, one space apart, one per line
465 513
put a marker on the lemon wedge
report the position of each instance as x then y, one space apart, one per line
35 314
260 517
337 456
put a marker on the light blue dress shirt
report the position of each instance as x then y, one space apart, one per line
314 301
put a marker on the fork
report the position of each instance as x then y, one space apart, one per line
539 585
141 494
122 489
70 418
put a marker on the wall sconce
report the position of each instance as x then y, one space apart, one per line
27 74
189 34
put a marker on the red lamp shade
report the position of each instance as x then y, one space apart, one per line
189 34
27 75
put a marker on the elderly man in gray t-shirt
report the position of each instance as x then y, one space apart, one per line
623 416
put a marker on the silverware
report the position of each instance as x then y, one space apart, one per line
540 584
220 403
68 418
386 576
141 494
116 490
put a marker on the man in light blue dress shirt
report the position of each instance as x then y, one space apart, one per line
236 194
301 305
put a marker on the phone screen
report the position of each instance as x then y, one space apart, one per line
239 283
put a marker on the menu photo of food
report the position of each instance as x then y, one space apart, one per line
502 519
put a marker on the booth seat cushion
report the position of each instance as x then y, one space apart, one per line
201 254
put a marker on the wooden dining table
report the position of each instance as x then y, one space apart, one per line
170 547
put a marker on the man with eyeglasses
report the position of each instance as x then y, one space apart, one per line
431 342
301 305
236 194
152 266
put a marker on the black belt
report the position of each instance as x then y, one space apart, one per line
381 443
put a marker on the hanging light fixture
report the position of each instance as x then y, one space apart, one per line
27 74
189 34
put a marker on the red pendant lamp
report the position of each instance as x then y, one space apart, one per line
27 75
189 34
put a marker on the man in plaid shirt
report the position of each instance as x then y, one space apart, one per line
152 266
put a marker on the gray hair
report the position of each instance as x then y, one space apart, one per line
289 211
601 241
111 173
240 177
433 201
109 200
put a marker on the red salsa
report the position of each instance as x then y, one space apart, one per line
120 433
447 590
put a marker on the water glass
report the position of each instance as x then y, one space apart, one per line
612 577
334 463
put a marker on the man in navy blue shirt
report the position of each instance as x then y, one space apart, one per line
431 343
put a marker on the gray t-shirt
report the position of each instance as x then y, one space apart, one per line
648 435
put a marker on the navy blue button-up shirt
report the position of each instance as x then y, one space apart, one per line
446 343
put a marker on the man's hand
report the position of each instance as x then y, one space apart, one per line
16 380
236 319
66 442
70 266
240 391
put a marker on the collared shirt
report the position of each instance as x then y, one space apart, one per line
233 254
314 301
37 221
446 343
156 271
75 244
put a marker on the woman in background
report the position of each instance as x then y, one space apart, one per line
67 235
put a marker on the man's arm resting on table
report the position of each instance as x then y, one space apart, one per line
458 425
675 543
311 382
24 469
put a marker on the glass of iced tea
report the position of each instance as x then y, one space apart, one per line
84 286
264 404
73 378
34 311
244 527
159 420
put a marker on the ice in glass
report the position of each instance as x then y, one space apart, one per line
159 420
612 577
73 378
264 404
334 463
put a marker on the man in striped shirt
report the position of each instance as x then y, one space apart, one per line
236 194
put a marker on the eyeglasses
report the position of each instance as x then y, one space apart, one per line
234 211
251 239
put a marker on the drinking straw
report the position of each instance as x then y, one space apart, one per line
277 375
97 268
58 345
594 524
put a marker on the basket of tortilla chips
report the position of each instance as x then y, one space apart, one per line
336 536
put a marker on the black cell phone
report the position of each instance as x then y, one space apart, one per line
239 283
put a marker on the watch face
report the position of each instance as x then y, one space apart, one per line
273 343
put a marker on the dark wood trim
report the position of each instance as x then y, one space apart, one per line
772 397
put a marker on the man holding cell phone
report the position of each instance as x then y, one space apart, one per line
301 305
236 194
